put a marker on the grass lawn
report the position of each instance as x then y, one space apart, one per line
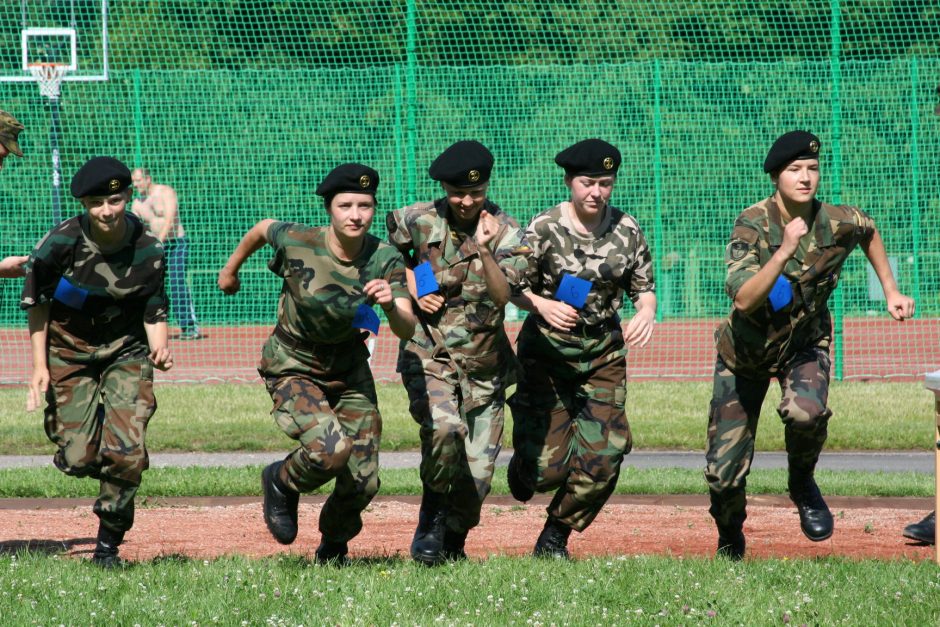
47 482
663 415
46 589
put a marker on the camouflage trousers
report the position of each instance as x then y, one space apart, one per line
97 414
460 441
325 399
570 429
732 425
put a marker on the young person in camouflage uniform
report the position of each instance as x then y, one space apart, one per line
97 324
570 427
10 129
316 363
458 364
784 260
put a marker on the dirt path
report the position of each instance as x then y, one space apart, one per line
680 526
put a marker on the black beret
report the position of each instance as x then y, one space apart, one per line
464 164
100 176
349 177
591 157
790 147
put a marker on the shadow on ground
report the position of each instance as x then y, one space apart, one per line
49 547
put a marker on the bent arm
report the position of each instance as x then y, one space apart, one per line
755 290
157 336
401 318
640 328
251 242
527 301
874 248
496 284
559 315
900 306
38 335
13 267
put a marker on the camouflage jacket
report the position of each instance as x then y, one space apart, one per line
321 293
761 342
99 301
469 324
614 258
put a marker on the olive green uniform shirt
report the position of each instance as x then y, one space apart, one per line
758 344
321 292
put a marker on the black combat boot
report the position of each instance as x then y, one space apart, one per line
729 509
106 548
427 546
923 531
553 541
731 543
280 505
517 487
454 542
815 517
333 553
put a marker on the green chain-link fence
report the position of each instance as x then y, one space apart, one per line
242 106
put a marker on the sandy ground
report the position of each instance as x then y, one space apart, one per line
679 526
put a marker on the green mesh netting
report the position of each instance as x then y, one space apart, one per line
242 106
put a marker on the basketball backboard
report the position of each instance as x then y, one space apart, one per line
70 33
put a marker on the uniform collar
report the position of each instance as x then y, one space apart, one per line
822 225
440 234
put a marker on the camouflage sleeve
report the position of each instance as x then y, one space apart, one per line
641 279
398 234
742 258
277 232
43 271
394 272
531 278
157 307
864 224
512 253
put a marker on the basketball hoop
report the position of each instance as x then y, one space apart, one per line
49 76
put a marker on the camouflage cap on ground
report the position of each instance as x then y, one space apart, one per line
10 129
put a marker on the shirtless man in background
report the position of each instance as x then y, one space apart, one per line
158 207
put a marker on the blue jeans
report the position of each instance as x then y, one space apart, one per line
181 303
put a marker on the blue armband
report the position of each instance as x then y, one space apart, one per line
781 294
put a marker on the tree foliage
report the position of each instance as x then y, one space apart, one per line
285 34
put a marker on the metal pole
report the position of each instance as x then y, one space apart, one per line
399 135
138 121
932 383
411 103
835 68
54 131
658 183
915 179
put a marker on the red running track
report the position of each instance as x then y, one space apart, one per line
874 348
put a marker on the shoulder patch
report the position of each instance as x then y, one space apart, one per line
739 250
391 222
